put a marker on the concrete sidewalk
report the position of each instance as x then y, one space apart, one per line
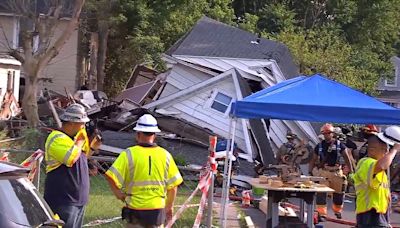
233 219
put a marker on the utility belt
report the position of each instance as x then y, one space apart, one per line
144 218
126 214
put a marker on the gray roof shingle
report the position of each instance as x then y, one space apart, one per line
215 39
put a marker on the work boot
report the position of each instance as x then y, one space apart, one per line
338 215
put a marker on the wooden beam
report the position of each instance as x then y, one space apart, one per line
189 90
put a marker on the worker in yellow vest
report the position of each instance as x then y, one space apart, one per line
145 177
67 149
371 181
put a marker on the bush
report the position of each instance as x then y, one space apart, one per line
180 160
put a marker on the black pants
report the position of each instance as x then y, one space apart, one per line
146 218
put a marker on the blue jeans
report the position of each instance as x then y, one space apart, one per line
71 215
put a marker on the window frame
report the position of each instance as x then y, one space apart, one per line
211 100
396 74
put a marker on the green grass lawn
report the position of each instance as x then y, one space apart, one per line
103 205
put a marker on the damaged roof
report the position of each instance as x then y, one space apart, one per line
388 94
215 39
136 94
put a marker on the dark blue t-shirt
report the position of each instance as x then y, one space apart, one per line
329 152
68 186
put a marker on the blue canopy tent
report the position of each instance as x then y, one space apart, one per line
315 99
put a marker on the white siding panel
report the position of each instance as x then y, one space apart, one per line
182 78
191 74
224 133
208 118
199 100
193 107
168 90
62 70
196 107
176 83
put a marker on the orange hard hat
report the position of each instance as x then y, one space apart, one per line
370 128
327 128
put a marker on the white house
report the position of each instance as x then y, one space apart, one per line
215 64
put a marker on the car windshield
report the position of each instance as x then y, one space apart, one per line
21 204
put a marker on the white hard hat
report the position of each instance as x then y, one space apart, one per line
75 113
147 123
390 135
337 130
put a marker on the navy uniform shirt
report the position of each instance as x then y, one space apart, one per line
68 186
329 152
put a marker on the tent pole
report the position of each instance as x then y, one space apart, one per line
229 170
221 218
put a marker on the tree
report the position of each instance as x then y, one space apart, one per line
348 40
33 59
324 51
149 28
103 15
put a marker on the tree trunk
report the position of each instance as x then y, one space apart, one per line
29 102
94 46
103 30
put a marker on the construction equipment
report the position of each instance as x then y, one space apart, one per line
290 172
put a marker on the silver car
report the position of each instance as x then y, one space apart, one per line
20 203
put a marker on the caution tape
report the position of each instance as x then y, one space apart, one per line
212 165
101 222
203 201
32 162
182 209
203 186
4 156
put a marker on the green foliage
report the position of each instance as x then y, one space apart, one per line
325 51
143 30
33 139
104 205
249 22
348 40
274 18
180 160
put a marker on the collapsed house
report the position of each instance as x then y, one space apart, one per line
208 68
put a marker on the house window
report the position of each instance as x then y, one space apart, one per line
392 81
220 102
10 80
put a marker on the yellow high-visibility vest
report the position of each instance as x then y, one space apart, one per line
60 149
372 190
145 174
